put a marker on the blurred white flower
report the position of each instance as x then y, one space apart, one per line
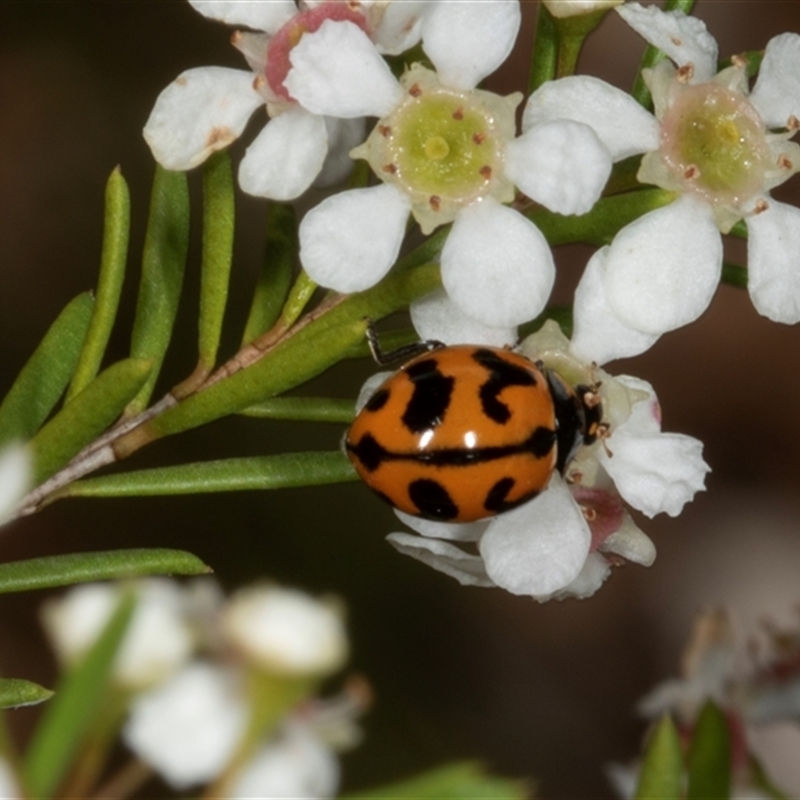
721 149
9 786
286 632
447 152
15 478
563 542
188 728
753 682
158 640
295 764
207 108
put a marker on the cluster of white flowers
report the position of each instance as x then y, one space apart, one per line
443 151
199 669
755 682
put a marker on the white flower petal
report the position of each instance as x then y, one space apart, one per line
572 8
662 269
600 336
15 477
350 240
336 71
343 136
255 14
591 577
467 569
9 786
624 127
286 157
200 112
776 94
468 41
400 27
540 547
157 641
435 316
297 765
188 728
561 164
631 543
286 632
684 39
657 472
776 702
773 262
450 531
496 265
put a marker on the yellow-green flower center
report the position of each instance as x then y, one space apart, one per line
443 148
436 148
440 146
714 140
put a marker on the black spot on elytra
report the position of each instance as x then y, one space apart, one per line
431 397
496 498
378 400
369 452
502 373
432 499
541 442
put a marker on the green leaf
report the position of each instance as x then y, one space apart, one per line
276 274
163 262
218 226
43 379
16 692
78 702
662 769
109 285
306 409
303 356
226 475
48 572
709 758
88 415
460 781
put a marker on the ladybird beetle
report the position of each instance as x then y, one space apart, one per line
464 432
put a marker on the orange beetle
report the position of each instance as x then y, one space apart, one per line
466 432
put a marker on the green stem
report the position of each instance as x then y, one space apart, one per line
572 34
545 50
305 354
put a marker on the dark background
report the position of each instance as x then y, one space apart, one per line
541 690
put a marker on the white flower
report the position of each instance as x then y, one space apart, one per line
158 640
447 152
563 542
713 143
296 764
286 631
207 108
9 786
188 728
572 8
15 478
